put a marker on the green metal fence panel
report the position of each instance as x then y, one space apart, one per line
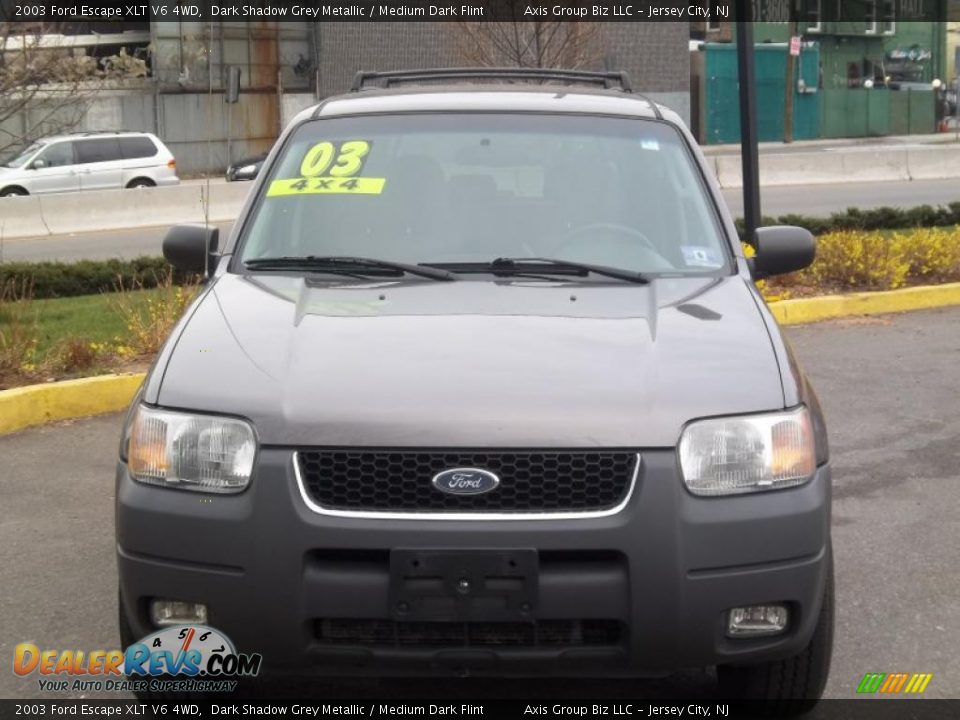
844 113
900 113
878 111
912 112
721 93
923 111
857 112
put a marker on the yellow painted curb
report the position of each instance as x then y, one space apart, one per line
24 407
807 310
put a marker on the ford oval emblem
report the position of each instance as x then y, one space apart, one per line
465 481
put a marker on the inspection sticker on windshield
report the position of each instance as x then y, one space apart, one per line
331 167
700 256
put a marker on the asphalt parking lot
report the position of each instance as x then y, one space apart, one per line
889 386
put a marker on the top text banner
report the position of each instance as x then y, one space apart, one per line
487 10
387 10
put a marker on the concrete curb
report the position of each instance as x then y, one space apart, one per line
38 404
807 310
25 407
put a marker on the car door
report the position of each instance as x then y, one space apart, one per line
54 169
100 164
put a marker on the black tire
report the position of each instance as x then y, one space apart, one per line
794 685
13 192
141 183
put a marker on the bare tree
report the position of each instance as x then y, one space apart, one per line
523 43
46 86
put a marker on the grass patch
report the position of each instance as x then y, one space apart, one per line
87 317
93 318
57 338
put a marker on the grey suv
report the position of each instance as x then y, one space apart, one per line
480 383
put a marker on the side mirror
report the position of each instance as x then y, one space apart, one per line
782 249
38 164
192 248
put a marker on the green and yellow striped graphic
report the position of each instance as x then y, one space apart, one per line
893 683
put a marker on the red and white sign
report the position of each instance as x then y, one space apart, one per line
795 46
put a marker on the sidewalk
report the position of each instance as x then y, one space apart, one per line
864 144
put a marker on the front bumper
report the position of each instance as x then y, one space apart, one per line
667 568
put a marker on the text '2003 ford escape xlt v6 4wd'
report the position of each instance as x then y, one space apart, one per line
480 383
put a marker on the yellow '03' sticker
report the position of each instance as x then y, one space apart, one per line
329 167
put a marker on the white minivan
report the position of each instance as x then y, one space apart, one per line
89 161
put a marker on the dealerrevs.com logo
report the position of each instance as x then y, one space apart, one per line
186 658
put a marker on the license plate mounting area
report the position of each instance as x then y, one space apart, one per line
463 585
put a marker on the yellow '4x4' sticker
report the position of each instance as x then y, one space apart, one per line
329 168
326 185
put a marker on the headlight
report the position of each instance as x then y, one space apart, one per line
246 170
751 453
191 452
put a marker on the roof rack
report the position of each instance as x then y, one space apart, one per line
610 79
607 79
98 132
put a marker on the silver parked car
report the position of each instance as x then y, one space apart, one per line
89 161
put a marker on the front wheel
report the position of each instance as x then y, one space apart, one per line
794 685
13 192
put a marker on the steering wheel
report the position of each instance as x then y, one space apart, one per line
623 237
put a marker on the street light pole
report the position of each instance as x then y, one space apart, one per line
748 121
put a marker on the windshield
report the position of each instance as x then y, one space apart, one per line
456 189
19 157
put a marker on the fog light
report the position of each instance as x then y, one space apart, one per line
757 620
176 612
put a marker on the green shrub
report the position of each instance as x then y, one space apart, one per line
932 254
870 260
857 260
88 277
882 218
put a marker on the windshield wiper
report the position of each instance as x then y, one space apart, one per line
345 264
514 265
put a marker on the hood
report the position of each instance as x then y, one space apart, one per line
473 363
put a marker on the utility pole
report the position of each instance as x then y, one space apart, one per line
789 84
748 121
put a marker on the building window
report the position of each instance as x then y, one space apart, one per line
888 26
713 26
870 16
814 14
853 75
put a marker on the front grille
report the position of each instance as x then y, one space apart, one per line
543 633
530 481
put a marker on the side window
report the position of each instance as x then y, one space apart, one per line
93 151
57 155
137 147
